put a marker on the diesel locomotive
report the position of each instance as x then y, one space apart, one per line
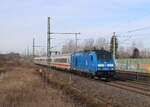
96 63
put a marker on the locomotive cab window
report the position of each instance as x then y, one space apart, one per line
104 56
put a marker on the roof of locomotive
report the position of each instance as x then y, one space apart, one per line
89 51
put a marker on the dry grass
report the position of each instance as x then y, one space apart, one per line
21 87
66 85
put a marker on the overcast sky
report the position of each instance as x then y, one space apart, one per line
21 20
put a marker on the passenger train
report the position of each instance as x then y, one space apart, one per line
98 63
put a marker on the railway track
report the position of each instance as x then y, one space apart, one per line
140 83
128 87
133 86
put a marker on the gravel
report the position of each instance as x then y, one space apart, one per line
98 89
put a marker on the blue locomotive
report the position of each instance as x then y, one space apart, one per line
98 62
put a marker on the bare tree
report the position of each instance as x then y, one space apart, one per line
69 47
88 44
102 43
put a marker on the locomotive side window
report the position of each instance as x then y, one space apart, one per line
76 61
91 58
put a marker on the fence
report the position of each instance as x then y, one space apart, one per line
138 65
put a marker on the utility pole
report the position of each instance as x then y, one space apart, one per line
36 46
25 52
114 46
48 40
76 42
28 51
33 51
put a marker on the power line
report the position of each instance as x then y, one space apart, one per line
76 34
139 29
134 30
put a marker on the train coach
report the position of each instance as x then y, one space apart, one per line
96 63
56 61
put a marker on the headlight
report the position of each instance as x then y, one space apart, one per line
110 65
100 65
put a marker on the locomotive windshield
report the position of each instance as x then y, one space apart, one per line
104 56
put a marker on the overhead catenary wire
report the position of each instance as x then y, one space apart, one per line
134 30
128 34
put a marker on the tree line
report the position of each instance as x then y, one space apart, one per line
105 44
